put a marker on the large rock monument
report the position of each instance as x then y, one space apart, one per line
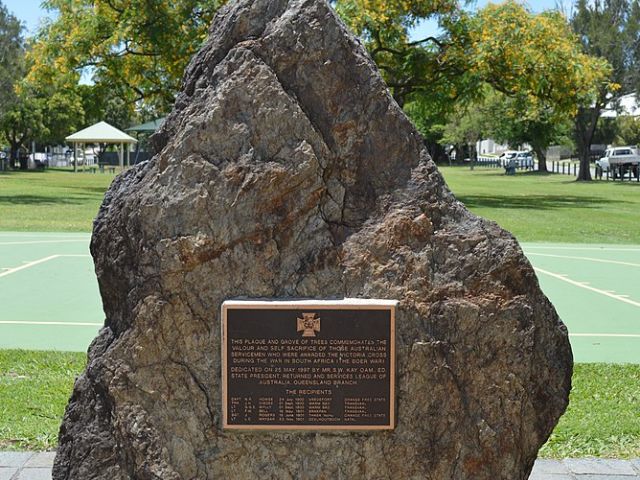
287 171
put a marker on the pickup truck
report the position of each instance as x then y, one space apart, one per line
619 161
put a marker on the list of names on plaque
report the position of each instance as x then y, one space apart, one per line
317 366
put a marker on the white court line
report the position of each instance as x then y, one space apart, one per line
9 271
599 249
584 258
612 335
34 242
587 287
70 324
27 265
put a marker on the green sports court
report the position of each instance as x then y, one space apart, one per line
49 297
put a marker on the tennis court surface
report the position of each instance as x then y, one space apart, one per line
49 296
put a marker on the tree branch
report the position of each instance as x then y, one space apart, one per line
425 40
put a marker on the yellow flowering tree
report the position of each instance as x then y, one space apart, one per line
537 56
136 44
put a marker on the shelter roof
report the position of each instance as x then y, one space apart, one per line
148 127
101 132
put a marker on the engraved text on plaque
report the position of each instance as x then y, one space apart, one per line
308 365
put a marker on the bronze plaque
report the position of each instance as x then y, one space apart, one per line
308 365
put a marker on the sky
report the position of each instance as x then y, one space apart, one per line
430 27
30 13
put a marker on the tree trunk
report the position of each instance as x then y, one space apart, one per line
14 154
541 153
584 174
437 151
586 122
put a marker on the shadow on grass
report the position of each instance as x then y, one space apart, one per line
88 190
40 200
537 202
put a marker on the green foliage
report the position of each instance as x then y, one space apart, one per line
101 102
12 67
535 56
628 132
607 29
503 72
44 110
23 121
423 70
138 49
467 125
514 121
11 57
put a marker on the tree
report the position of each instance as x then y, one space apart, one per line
12 51
535 62
140 52
21 123
514 122
535 57
466 127
628 130
101 103
608 29
12 67
137 48
424 65
525 70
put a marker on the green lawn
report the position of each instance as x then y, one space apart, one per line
550 208
50 201
535 208
602 419
603 416
34 390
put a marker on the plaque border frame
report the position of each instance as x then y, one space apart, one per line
346 304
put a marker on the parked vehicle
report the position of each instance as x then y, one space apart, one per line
506 156
618 161
524 160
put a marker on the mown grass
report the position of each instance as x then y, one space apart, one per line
34 390
550 208
50 201
602 419
534 207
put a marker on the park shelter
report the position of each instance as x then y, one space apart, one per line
148 127
101 132
146 130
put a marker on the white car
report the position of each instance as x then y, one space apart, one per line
524 160
617 159
506 156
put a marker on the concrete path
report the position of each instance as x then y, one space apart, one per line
37 466
26 465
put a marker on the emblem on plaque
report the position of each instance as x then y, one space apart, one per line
308 324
